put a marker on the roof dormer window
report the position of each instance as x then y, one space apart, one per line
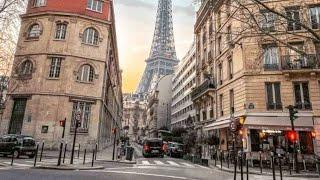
39 3
95 5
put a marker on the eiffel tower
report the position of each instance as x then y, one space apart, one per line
162 57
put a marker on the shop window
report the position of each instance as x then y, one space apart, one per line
273 96
255 140
301 93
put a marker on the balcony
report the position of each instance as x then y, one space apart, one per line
206 87
300 62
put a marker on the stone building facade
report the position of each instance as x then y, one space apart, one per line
134 115
184 80
254 71
158 107
66 59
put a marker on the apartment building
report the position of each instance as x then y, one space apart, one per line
182 110
261 57
66 60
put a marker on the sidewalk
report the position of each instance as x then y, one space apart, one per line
265 171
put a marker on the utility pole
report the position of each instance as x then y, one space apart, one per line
293 134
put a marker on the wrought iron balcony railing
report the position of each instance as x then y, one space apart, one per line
298 62
204 87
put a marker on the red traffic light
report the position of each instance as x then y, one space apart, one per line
62 123
292 136
114 130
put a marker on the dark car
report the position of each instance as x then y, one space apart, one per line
175 149
153 148
19 145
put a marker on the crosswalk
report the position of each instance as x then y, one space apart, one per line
165 163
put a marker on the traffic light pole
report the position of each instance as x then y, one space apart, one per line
292 113
74 143
61 144
114 144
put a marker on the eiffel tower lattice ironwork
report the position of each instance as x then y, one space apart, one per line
162 58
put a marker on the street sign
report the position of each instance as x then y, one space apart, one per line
234 125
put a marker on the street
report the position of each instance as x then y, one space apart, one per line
146 168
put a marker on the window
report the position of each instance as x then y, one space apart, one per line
230 68
315 17
34 31
91 36
268 21
219 19
229 35
219 45
231 101
61 30
221 104
85 109
273 96
293 19
270 57
38 3
228 8
220 74
26 68
55 67
86 73
301 93
295 60
95 5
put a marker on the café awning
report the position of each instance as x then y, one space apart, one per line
278 123
217 125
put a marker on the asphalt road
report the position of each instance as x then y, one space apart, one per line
146 169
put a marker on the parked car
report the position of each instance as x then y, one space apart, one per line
175 149
153 148
19 145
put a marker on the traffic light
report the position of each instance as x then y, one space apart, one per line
78 124
292 112
292 136
114 130
62 123
313 134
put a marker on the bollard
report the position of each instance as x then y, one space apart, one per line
241 166
12 153
60 154
92 158
41 151
96 152
273 168
79 151
247 169
260 156
215 159
280 166
304 165
84 156
228 162
221 158
35 156
64 153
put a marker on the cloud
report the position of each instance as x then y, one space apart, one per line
187 10
136 3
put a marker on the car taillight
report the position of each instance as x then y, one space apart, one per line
146 148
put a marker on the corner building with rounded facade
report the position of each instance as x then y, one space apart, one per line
66 59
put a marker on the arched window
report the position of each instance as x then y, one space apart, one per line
90 36
34 31
26 68
85 73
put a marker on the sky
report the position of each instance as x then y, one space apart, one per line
135 23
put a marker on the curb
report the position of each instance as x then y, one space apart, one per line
66 168
115 161
268 174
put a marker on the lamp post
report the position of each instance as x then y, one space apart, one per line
77 124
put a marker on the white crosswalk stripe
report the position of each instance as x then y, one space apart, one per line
145 162
159 162
186 164
173 163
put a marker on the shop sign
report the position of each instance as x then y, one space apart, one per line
269 131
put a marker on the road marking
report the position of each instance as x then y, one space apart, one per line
187 164
148 174
202 167
159 162
173 163
145 162
18 164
